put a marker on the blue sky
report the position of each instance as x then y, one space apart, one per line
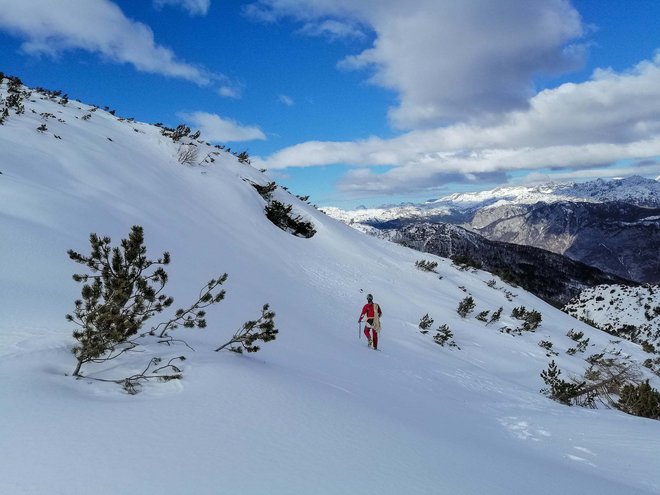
363 101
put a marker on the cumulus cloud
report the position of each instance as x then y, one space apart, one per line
193 7
216 128
449 60
97 26
611 117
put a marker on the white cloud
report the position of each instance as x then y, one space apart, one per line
286 100
332 29
97 26
230 91
216 128
194 7
612 117
449 60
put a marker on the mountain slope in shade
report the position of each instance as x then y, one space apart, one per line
315 411
550 276
619 238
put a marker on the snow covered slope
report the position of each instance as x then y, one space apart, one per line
633 312
315 411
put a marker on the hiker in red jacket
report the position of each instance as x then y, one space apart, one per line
372 311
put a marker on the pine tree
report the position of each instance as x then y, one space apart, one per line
466 306
425 323
641 400
122 291
496 315
444 336
558 388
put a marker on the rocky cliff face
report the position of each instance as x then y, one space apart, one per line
616 237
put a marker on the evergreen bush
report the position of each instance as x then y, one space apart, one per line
426 266
496 315
557 388
640 400
444 336
425 323
466 306
483 316
280 215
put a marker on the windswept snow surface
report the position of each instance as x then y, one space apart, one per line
315 411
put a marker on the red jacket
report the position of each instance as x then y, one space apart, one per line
368 310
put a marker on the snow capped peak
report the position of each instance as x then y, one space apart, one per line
634 190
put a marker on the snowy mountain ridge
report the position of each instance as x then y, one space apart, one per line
315 411
635 190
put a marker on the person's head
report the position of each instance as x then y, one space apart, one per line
370 298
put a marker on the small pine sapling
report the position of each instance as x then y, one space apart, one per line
496 316
243 157
466 306
444 336
483 316
557 388
425 323
125 290
122 291
547 345
426 266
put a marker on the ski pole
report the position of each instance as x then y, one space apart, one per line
359 330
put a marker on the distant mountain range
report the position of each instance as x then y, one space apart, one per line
611 225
